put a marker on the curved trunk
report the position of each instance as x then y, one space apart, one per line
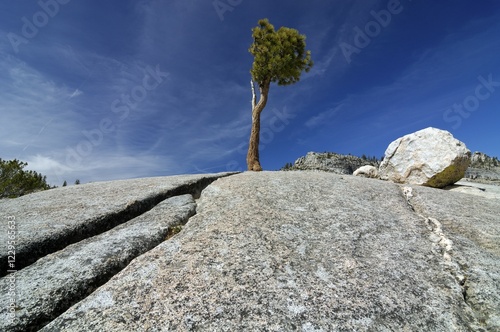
253 162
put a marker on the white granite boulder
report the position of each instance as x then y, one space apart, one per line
429 157
367 171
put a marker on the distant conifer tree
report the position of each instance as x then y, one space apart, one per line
15 181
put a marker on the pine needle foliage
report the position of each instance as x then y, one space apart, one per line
15 181
279 56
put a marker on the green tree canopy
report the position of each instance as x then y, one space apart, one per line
15 181
279 56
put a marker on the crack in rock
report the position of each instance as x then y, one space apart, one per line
408 194
54 283
441 244
444 246
51 220
236 264
51 285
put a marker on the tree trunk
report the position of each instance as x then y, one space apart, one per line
253 162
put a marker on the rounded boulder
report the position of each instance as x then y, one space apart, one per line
429 157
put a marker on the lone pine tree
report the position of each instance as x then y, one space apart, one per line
279 57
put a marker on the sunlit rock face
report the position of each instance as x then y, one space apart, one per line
429 157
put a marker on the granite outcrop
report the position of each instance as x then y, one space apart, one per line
269 251
331 162
71 240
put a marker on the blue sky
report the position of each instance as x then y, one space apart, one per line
103 90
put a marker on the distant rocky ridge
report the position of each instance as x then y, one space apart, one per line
484 169
330 162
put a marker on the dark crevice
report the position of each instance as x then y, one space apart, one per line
463 280
465 288
33 251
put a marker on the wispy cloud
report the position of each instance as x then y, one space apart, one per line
76 93
31 101
321 118
54 117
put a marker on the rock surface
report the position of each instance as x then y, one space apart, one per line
331 162
367 171
466 232
483 175
311 251
55 282
50 220
474 188
429 157
69 241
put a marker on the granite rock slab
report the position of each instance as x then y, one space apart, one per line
466 231
305 251
50 220
52 284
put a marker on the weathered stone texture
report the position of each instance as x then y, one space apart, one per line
55 282
472 223
305 251
50 220
429 157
